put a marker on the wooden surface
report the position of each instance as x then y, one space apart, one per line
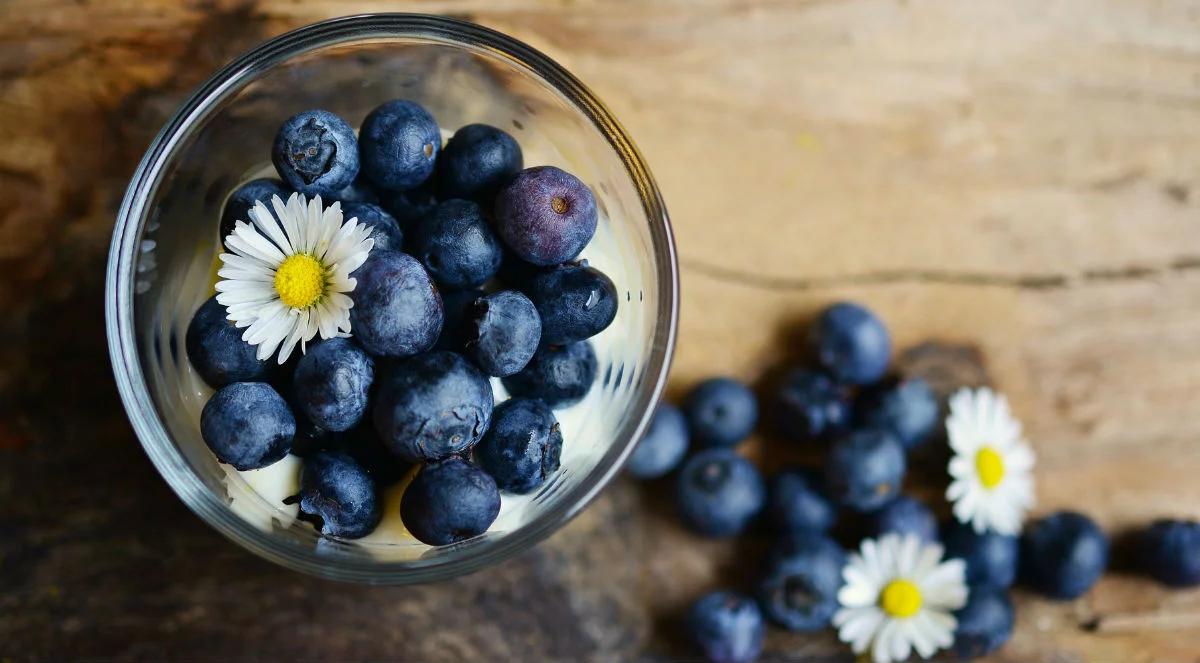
1013 184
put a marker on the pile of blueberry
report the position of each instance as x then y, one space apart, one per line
866 425
473 276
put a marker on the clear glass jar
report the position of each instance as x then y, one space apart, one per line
165 242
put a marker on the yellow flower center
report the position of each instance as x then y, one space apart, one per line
900 599
990 467
300 280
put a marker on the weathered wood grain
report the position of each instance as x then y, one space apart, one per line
1015 182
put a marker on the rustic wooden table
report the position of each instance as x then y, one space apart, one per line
1013 184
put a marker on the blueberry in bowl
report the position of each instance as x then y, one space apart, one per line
166 260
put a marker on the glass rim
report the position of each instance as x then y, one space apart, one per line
132 219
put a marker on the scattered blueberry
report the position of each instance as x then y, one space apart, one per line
331 384
721 412
432 406
247 425
337 496
800 584
504 333
985 623
1170 552
358 191
906 515
719 493
457 245
1065 553
909 409
992 559
560 375
385 230
400 141
797 503
810 405
449 501
409 206
397 311
852 344
727 627
216 349
316 153
237 208
545 215
575 302
522 447
477 161
865 469
663 446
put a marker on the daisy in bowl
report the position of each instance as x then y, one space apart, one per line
288 276
899 595
992 467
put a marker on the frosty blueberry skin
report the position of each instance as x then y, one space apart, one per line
247 425
449 501
400 142
397 310
523 446
316 153
545 215
338 496
560 375
432 406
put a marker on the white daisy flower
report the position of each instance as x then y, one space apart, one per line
899 596
287 278
992 467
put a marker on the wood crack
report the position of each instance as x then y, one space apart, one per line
883 277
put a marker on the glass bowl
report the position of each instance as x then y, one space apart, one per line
165 242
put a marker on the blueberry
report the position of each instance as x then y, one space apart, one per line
560 375
810 405
316 153
721 412
410 206
663 446
358 191
331 383
457 245
992 558
852 344
799 586
478 159
400 142
909 409
504 333
397 311
216 349
385 230
247 425
449 501
865 469
727 627
797 503
1065 553
459 309
523 446
337 496
575 302
432 406
237 208
985 623
719 493
516 273
545 215
905 515
1170 552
